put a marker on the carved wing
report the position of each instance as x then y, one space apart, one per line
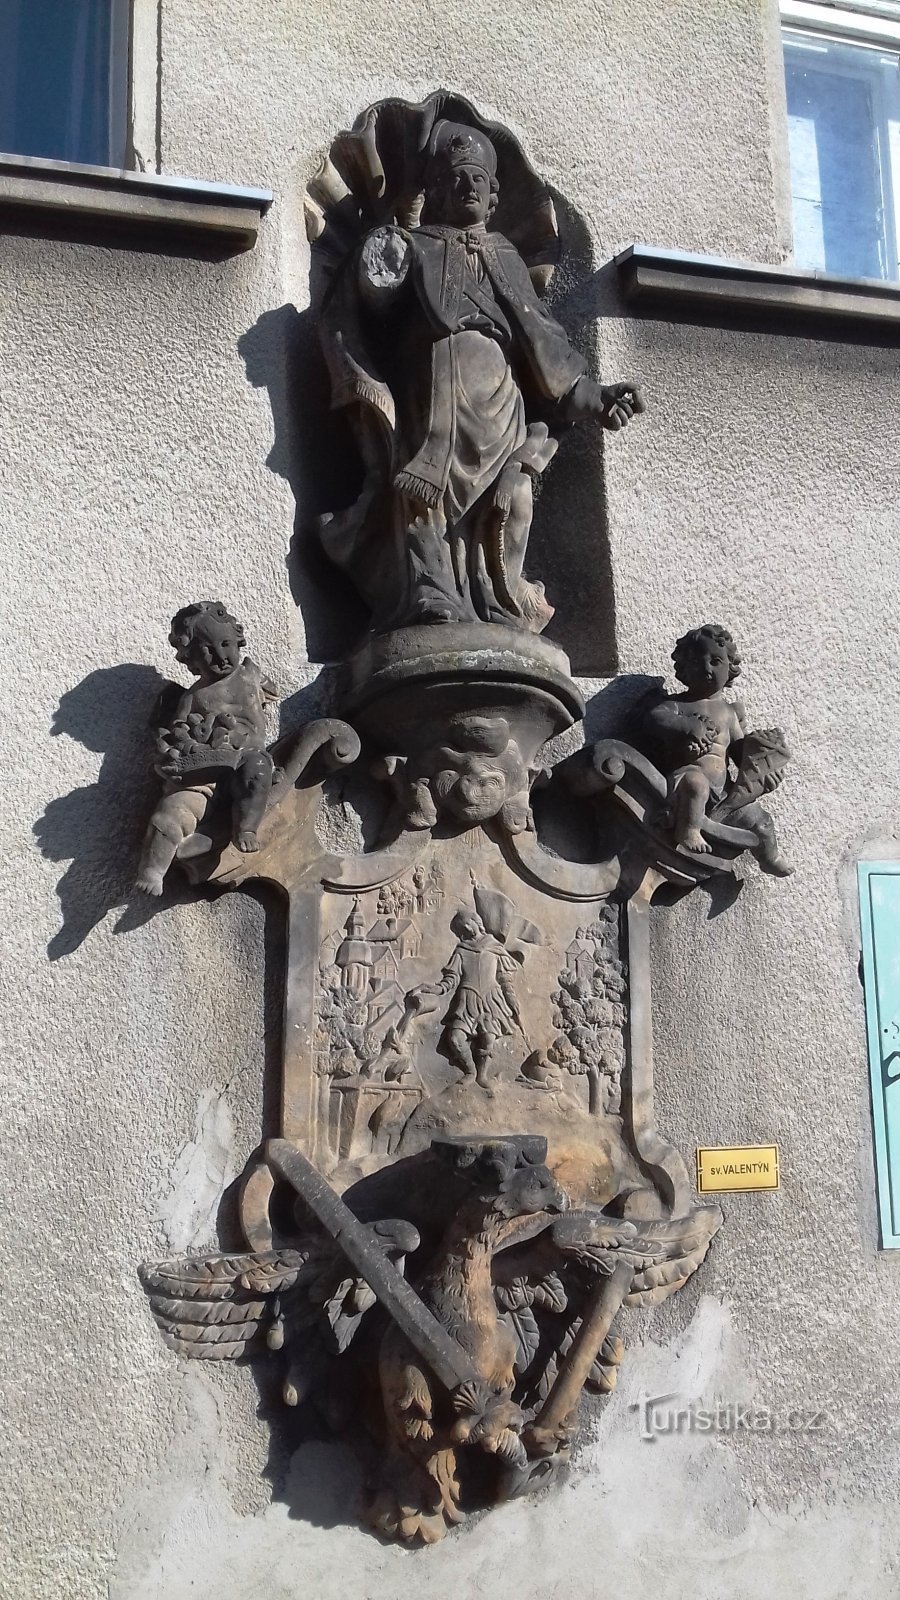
306 1300
213 1307
663 1254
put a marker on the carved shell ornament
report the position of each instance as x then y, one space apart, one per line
373 175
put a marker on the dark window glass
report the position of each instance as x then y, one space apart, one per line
64 79
843 104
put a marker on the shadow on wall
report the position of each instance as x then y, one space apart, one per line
569 543
98 829
314 451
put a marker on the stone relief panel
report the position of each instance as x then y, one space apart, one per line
467 1183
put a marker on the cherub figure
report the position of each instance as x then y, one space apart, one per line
696 734
479 976
216 740
699 727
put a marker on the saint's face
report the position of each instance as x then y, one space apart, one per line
466 196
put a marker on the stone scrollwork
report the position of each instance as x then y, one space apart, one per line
467 1182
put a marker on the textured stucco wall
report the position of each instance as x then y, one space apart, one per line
153 453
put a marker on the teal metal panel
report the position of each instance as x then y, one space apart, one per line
879 904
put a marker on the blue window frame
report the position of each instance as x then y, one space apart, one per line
879 905
64 80
843 102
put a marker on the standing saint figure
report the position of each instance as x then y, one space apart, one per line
479 977
455 373
484 1008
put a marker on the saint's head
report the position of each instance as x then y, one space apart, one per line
460 176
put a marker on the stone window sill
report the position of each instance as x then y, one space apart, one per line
718 289
140 209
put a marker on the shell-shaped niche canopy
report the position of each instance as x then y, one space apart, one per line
374 173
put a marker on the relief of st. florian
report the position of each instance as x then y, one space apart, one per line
468 1184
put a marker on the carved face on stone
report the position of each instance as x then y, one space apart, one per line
706 660
529 1190
461 176
207 639
476 793
466 925
466 196
214 650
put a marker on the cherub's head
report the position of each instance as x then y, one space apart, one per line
460 176
706 659
208 639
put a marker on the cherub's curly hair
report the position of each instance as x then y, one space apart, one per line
710 633
184 625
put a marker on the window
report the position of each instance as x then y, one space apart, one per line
842 75
64 80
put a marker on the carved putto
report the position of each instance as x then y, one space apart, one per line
700 735
467 1182
214 742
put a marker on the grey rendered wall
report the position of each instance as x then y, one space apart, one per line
150 457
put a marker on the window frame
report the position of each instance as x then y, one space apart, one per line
853 20
133 90
872 25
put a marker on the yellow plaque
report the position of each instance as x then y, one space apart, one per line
741 1166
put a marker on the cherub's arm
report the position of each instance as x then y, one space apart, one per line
667 716
678 723
249 681
737 732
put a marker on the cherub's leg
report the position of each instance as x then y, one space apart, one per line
533 604
176 817
251 786
690 801
766 851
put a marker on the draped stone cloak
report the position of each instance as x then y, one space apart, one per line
445 398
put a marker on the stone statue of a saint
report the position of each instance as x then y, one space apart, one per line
459 380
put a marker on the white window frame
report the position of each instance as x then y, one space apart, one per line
144 143
876 25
